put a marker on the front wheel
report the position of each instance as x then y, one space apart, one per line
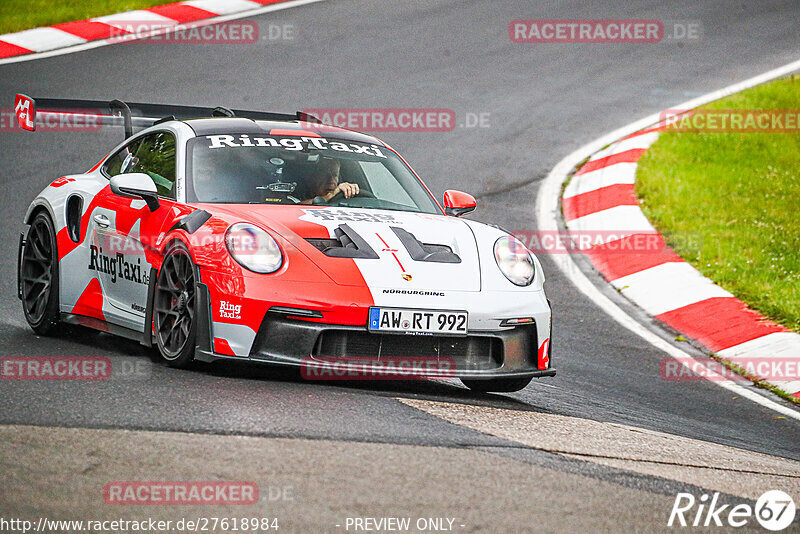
497 385
174 307
38 276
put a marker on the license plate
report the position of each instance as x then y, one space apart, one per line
411 321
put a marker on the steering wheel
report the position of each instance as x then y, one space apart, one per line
361 193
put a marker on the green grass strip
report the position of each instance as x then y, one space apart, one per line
729 203
17 15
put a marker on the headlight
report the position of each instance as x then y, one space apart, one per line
253 248
514 260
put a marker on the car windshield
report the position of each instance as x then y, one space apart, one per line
256 169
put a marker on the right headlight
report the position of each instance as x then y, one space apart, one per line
514 260
253 248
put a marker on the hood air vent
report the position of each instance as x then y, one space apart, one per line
347 244
423 251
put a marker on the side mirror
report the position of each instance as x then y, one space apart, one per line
457 203
137 185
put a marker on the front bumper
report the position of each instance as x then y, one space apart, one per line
283 340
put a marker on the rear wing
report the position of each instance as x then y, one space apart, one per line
129 115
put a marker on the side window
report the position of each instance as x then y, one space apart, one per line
155 156
121 161
152 154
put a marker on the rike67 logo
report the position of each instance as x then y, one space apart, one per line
774 510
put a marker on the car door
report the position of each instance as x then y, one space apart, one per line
125 231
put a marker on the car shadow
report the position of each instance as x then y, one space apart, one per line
83 341
89 342
419 389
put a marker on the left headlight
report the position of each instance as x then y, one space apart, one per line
514 260
253 248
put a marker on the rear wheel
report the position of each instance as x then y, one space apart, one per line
174 307
497 385
38 271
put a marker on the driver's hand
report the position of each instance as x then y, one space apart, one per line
345 188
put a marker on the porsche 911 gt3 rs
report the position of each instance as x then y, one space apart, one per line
274 238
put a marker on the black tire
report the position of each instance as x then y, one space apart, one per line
497 385
175 307
38 274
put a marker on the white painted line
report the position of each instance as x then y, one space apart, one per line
547 216
620 173
42 39
115 40
640 141
775 345
622 220
223 7
667 287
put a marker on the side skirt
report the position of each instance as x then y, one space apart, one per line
99 324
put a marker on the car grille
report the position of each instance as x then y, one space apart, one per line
469 352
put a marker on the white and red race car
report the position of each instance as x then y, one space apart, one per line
273 238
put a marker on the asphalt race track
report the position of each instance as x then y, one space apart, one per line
542 101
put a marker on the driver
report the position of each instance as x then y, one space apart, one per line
324 183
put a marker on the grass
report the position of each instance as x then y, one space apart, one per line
729 203
757 381
18 15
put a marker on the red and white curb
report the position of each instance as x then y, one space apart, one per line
113 27
600 200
